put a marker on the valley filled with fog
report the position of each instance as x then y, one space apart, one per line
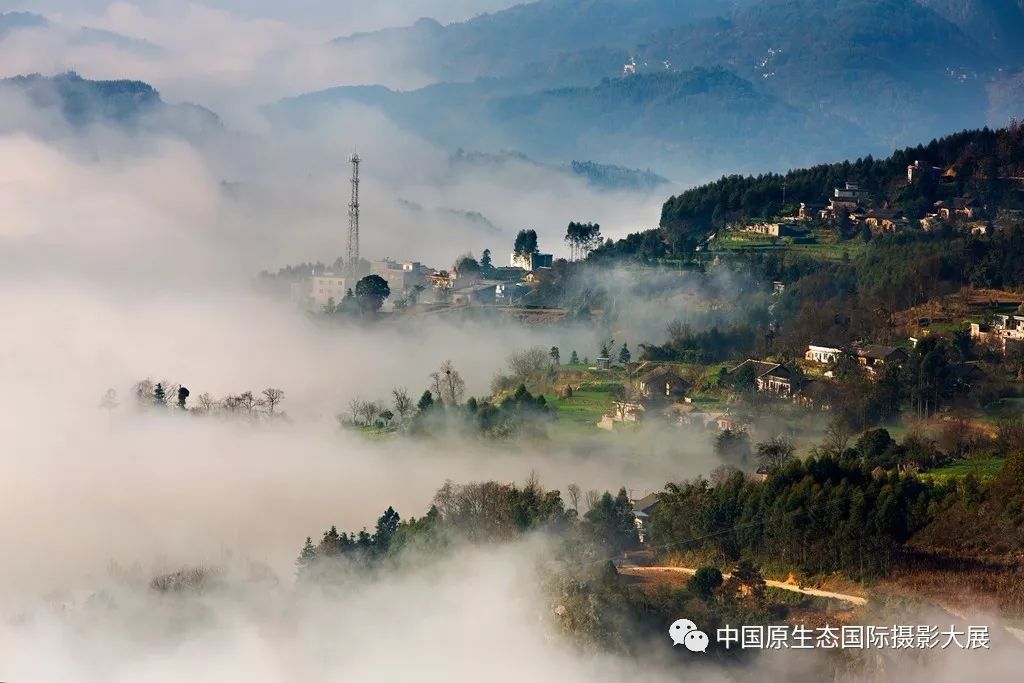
168 171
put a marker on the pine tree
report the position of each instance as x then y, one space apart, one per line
574 359
307 555
624 354
159 395
330 544
426 401
556 356
387 525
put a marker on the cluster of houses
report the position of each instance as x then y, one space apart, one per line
872 357
1005 331
776 229
662 390
319 290
499 285
853 203
786 381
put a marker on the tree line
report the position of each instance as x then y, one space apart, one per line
149 395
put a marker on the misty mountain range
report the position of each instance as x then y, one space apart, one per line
83 35
130 104
703 87
689 88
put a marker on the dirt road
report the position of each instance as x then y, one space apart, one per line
634 570
630 569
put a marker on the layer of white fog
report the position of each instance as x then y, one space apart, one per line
126 256
229 56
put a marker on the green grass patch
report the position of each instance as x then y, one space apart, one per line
583 411
599 387
373 432
985 468
819 243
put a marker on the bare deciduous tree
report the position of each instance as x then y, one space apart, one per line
402 402
272 398
355 409
247 402
448 383
775 453
232 403
435 378
369 410
573 491
363 412
207 404
837 437
143 390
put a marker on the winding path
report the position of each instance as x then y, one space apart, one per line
629 569
635 570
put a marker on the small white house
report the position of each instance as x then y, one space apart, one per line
822 354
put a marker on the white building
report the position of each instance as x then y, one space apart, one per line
400 276
1004 330
317 291
822 354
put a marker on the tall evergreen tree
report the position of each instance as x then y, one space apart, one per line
387 525
307 555
426 401
624 354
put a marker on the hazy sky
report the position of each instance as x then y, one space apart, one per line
340 16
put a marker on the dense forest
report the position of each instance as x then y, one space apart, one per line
984 164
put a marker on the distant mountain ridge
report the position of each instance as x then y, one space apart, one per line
13 21
894 67
502 43
83 102
604 176
696 122
996 25
746 85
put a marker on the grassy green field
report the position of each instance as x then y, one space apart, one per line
821 243
583 411
373 432
981 467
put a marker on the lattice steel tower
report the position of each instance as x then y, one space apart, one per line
353 219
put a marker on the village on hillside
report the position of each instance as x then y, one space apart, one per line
760 357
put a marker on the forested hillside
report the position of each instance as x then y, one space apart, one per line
982 164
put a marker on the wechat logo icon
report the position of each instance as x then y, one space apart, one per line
684 632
